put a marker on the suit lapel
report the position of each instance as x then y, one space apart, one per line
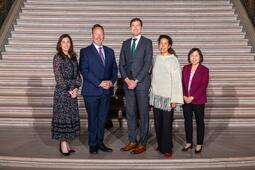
139 43
195 77
139 46
129 47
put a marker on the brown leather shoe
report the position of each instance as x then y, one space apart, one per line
139 149
128 147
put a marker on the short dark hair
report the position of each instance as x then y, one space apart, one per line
199 52
97 26
136 19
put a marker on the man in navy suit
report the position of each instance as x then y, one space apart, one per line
99 70
135 64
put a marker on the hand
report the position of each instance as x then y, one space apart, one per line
106 84
185 99
173 105
188 99
131 83
74 93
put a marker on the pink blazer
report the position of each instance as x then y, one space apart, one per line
199 83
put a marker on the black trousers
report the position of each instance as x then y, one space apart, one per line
163 126
188 110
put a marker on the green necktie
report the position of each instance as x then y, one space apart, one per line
133 47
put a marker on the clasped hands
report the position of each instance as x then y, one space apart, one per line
106 84
188 99
131 84
73 93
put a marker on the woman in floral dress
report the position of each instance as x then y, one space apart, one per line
66 119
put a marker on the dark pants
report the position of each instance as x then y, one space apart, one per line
97 108
163 126
188 110
137 99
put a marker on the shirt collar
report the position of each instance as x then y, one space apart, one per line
97 46
137 37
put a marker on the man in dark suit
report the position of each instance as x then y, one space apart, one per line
99 70
135 64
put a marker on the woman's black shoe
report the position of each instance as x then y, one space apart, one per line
71 151
198 151
60 150
187 148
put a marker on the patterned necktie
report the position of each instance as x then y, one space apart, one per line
102 55
133 47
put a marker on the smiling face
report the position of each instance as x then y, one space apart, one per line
195 58
98 36
164 46
65 45
136 28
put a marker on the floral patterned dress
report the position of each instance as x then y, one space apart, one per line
66 119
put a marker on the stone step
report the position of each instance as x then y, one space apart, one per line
232 74
126 32
123 20
146 19
156 29
175 11
131 2
38 25
148 7
212 66
238 101
37 91
116 45
240 42
47 61
221 56
184 50
46 112
104 20
127 13
49 82
176 38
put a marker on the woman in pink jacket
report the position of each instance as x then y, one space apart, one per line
195 77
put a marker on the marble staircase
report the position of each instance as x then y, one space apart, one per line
26 76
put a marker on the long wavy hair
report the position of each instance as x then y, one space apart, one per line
170 42
59 49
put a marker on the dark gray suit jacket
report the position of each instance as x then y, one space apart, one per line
137 67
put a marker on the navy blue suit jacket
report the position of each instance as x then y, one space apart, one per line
94 71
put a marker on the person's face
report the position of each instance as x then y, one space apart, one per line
136 28
65 45
195 58
98 36
164 46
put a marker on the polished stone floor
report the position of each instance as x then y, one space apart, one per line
36 142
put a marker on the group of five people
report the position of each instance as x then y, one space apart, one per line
155 81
